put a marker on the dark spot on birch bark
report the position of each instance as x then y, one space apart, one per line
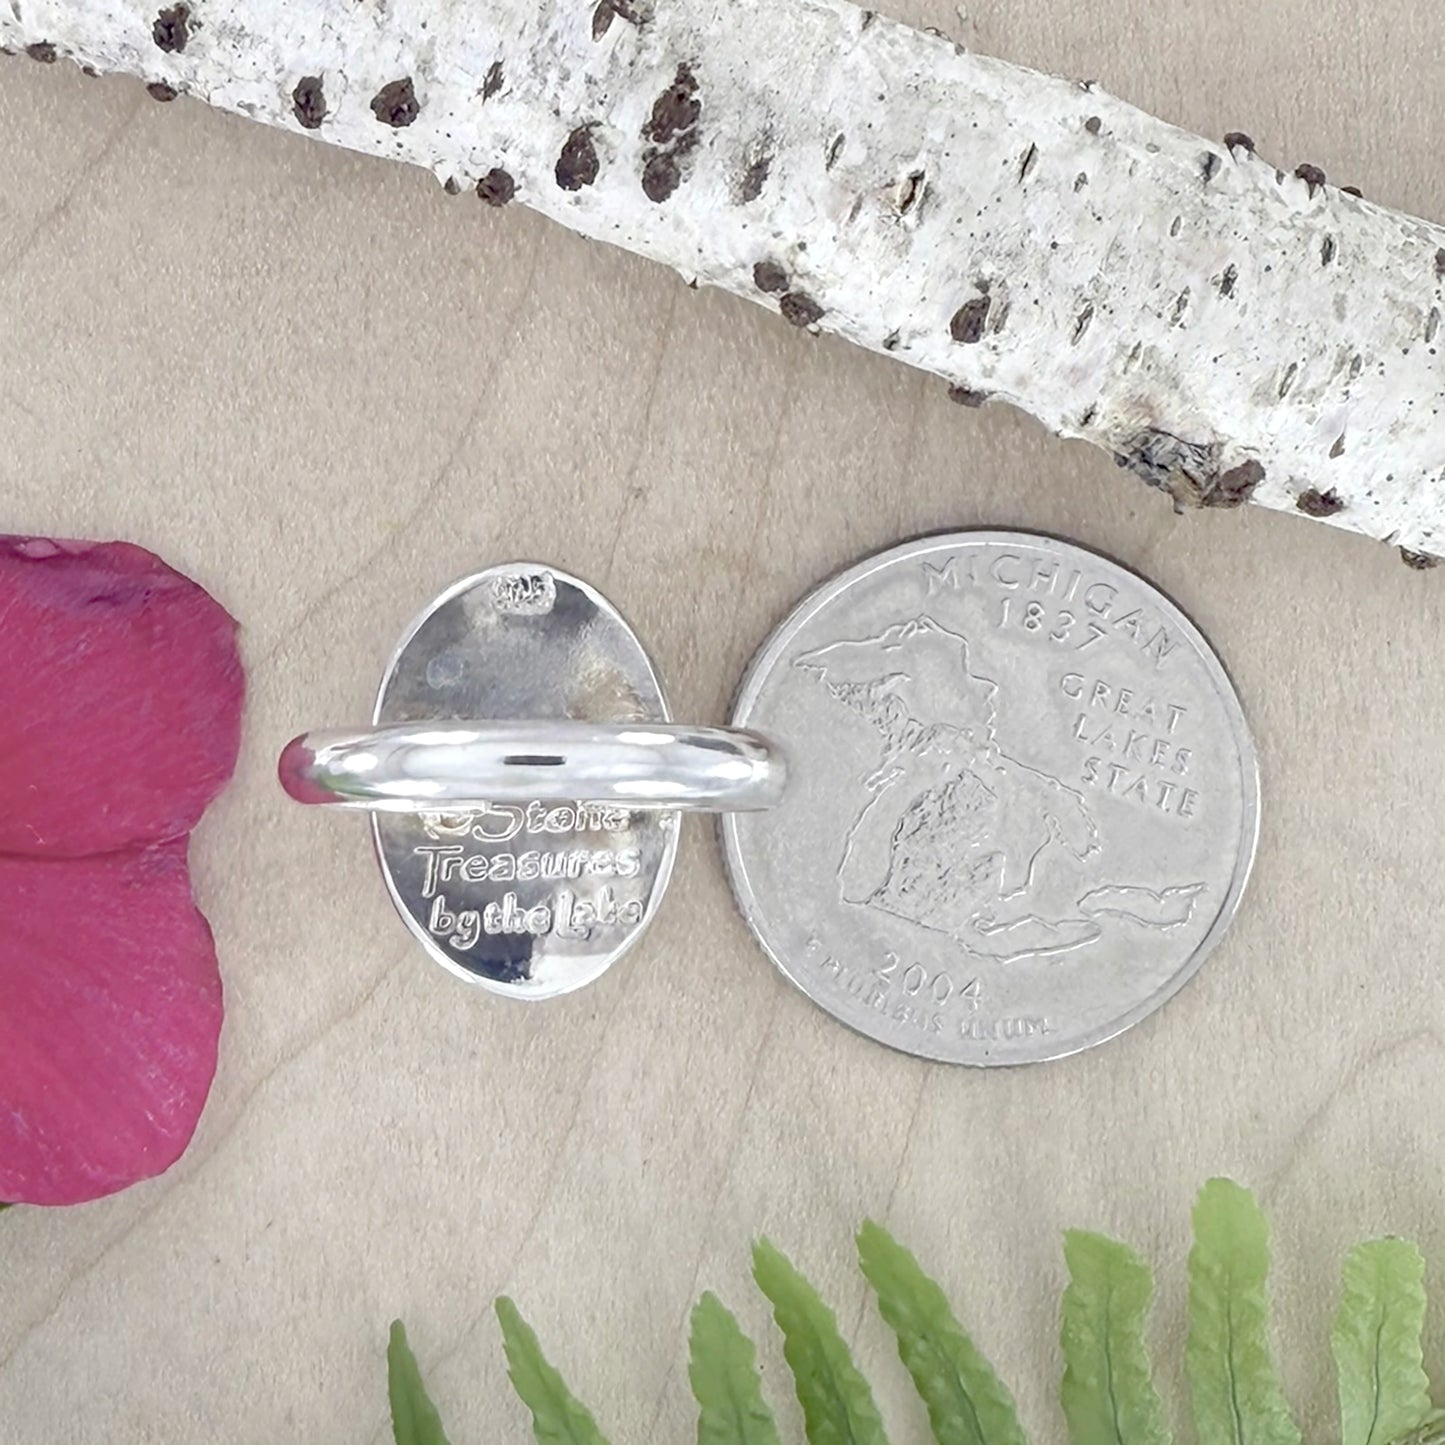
1211 166
493 82
43 51
396 104
1088 417
672 127
1093 125
1176 226
1235 486
634 12
1185 470
754 177
577 166
1290 372
1081 324
1338 450
452 186
1440 263
172 30
602 18
661 176
1238 140
1026 166
835 149
1080 181
800 309
910 192
90 72
1432 324
969 320
675 110
1418 561
770 276
497 187
1356 367
1189 471
1227 281
892 341
1181 305
1315 503
1312 176
967 396
159 90
1354 191
308 100
1327 251
869 16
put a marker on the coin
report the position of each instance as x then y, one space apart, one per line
1023 798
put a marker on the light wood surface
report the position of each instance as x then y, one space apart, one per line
325 389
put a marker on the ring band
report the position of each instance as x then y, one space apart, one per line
440 766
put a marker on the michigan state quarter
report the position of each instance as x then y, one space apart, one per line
1023 800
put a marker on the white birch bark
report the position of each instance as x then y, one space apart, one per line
1227 330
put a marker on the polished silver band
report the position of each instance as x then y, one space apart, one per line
441 766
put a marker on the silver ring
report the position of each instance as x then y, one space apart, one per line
525 780
438 767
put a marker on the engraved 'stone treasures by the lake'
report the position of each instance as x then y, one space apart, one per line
526 899
1026 808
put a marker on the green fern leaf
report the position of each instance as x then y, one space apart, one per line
1236 1393
1432 1432
1108 1393
557 1417
1384 1393
414 1419
724 1374
967 1403
838 1406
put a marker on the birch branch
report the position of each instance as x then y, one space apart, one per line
1228 331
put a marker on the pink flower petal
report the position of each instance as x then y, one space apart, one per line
120 698
110 1010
